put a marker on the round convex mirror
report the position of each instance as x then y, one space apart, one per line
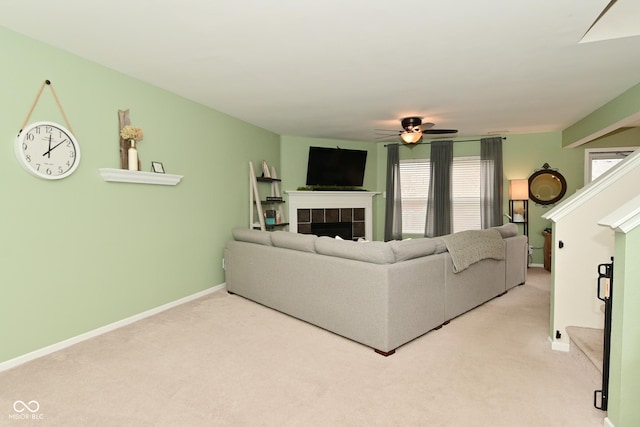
547 186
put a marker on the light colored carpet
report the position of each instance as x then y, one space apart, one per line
223 360
590 342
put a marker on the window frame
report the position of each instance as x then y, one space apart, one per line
591 154
460 200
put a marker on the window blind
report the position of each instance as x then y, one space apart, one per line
414 181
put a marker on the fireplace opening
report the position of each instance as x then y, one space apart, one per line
332 229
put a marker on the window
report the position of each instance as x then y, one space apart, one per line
414 181
598 161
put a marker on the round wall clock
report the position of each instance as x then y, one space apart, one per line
47 150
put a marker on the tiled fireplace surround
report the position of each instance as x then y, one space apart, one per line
319 207
307 218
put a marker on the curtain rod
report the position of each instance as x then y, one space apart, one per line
434 140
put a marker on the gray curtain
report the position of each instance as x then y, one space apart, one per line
439 216
491 192
393 205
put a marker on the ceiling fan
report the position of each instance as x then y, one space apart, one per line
413 129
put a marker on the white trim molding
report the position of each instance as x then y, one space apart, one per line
607 422
594 187
12 363
559 345
625 218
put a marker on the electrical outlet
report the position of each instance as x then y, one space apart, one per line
530 250
223 263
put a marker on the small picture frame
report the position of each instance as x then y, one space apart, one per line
157 167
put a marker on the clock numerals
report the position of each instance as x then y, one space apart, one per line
47 150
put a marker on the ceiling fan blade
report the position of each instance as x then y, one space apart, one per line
439 131
382 136
411 125
388 130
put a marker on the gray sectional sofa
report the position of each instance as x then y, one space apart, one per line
380 294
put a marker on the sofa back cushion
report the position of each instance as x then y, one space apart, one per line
252 236
412 248
295 241
507 230
373 252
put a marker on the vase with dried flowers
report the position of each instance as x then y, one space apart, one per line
132 134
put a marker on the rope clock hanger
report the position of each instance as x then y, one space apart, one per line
47 149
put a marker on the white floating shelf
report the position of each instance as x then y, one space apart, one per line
139 177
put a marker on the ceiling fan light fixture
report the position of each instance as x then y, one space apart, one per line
411 137
409 123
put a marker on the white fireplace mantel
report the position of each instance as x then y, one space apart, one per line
329 200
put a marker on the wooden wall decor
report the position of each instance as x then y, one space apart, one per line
123 120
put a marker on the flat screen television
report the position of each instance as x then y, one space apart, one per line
336 167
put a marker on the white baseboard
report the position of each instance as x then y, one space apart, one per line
559 346
12 363
607 422
536 265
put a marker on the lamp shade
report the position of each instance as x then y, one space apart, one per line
411 137
519 189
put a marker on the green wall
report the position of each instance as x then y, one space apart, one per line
625 137
526 153
625 107
624 384
80 253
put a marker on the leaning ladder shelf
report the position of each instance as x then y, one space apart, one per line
256 203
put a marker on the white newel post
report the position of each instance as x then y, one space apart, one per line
331 200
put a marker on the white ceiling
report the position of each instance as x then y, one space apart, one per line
341 68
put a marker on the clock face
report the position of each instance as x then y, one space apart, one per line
47 150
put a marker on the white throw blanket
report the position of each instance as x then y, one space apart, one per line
471 246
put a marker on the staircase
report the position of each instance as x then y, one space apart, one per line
594 345
587 349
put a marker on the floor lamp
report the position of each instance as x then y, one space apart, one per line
519 203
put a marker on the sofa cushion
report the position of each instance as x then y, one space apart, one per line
440 245
252 236
412 248
507 230
373 252
295 241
